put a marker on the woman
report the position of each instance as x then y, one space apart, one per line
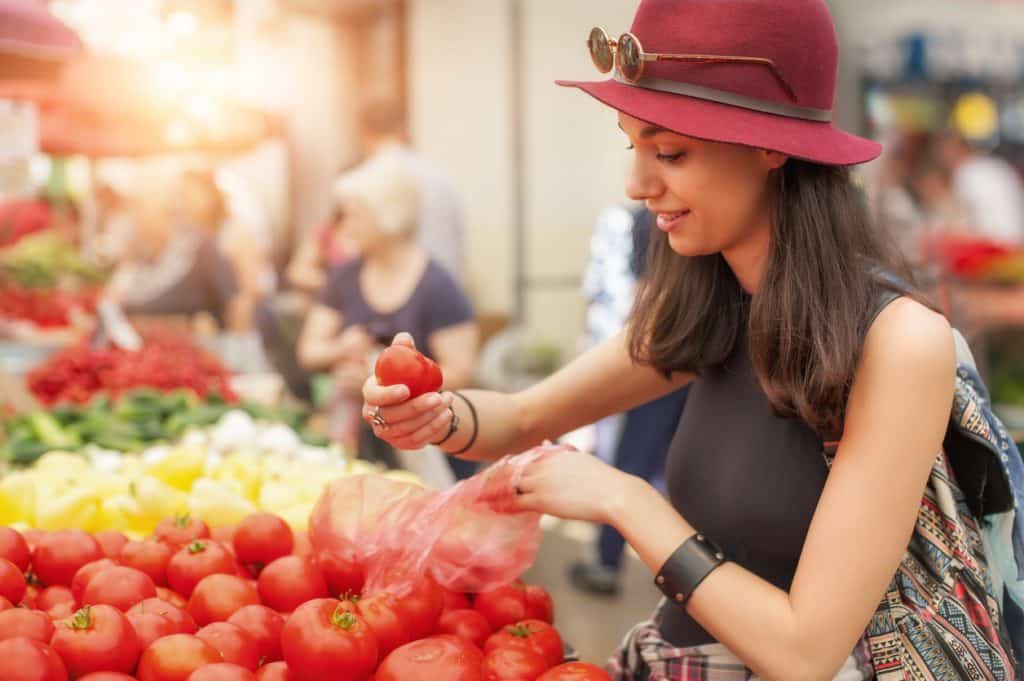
761 293
392 286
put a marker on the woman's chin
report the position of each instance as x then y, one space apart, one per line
681 245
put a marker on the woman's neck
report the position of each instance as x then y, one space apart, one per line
391 256
749 258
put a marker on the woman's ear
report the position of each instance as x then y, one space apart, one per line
772 160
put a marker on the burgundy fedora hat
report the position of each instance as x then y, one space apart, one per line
756 72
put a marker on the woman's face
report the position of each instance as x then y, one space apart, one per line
357 225
710 197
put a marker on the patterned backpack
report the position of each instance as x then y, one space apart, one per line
942 617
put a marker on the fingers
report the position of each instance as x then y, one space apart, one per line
434 430
375 394
404 338
433 403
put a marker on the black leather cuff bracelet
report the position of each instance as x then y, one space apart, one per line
687 567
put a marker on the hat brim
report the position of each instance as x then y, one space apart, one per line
808 140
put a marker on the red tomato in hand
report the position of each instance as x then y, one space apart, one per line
173 658
382 613
86 573
401 364
538 636
150 626
121 587
217 597
195 561
148 556
575 671
33 624
14 548
438 658
235 644
111 541
97 638
513 664
539 604
262 538
181 530
265 626
275 671
467 624
59 555
12 581
421 608
54 595
289 582
222 671
502 606
183 622
323 640
22 659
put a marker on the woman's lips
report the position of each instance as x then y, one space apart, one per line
669 221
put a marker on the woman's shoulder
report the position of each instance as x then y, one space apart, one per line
906 332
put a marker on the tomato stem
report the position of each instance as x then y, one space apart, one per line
196 547
343 619
182 521
81 619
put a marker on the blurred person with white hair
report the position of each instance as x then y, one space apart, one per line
393 285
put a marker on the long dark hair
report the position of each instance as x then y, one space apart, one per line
806 323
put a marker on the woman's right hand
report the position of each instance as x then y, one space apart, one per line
407 424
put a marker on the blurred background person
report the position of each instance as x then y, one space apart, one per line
175 267
441 228
392 285
988 186
318 252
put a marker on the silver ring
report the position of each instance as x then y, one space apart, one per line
378 419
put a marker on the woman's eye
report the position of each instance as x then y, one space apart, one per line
631 147
670 158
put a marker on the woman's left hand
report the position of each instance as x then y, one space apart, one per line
572 485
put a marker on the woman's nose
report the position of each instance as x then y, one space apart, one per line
643 183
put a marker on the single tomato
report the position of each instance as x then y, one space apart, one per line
467 624
181 619
14 548
289 582
86 573
324 640
59 555
121 587
502 606
381 612
181 530
575 671
264 625
438 658
217 597
173 658
33 624
149 556
24 659
12 581
97 638
235 644
343 575
150 625
222 671
513 664
196 560
421 607
262 538
536 635
400 364
54 595
539 604
111 541
275 671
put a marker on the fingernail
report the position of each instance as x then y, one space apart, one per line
434 400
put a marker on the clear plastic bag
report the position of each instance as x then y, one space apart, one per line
468 538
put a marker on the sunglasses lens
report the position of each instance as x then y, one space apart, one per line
601 50
630 58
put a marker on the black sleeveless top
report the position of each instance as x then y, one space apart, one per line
748 479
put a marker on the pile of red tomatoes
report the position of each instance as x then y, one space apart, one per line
251 603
